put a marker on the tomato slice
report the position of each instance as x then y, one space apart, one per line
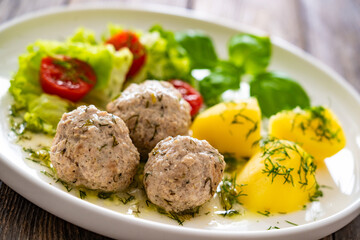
192 96
130 40
69 78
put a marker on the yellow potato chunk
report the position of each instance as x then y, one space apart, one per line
317 130
280 178
231 127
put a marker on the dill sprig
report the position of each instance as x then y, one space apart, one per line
180 217
266 213
229 192
82 194
41 156
317 194
105 195
319 124
239 118
125 200
273 227
291 223
17 123
275 169
275 151
228 213
66 185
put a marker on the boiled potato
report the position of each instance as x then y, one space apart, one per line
231 127
280 178
316 130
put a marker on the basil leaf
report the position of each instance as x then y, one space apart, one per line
250 52
276 92
199 47
225 75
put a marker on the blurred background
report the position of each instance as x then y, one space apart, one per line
328 30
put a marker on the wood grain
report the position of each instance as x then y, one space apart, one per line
325 32
20 219
178 3
329 30
333 35
13 8
268 17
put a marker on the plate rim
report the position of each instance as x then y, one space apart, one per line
349 213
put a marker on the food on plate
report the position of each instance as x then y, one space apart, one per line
276 92
250 52
280 178
66 77
98 153
152 110
182 173
92 149
231 127
317 130
110 68
166 58
192 96
128 39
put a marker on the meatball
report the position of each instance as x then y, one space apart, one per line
182 173
152 111
92 148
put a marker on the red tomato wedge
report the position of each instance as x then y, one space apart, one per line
130 40
192 96
69 78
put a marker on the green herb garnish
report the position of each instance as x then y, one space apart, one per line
82 194
115 142
266 213
273 227
104 195
229 192
291 223
274 168
316 195
322 126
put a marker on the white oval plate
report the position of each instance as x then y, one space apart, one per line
338 207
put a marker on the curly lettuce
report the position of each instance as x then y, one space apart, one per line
166 58
83 35
42 111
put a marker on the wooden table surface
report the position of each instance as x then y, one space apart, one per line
328 30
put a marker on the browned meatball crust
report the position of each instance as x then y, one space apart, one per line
152 111
182 173
92 148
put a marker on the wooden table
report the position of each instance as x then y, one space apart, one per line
328 30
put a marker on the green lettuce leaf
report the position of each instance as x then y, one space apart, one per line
113 29
166 58
276 92
83 35
44 113
109 65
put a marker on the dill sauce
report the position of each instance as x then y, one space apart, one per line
211 215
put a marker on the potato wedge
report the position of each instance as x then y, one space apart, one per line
316 130
231 127
280 178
